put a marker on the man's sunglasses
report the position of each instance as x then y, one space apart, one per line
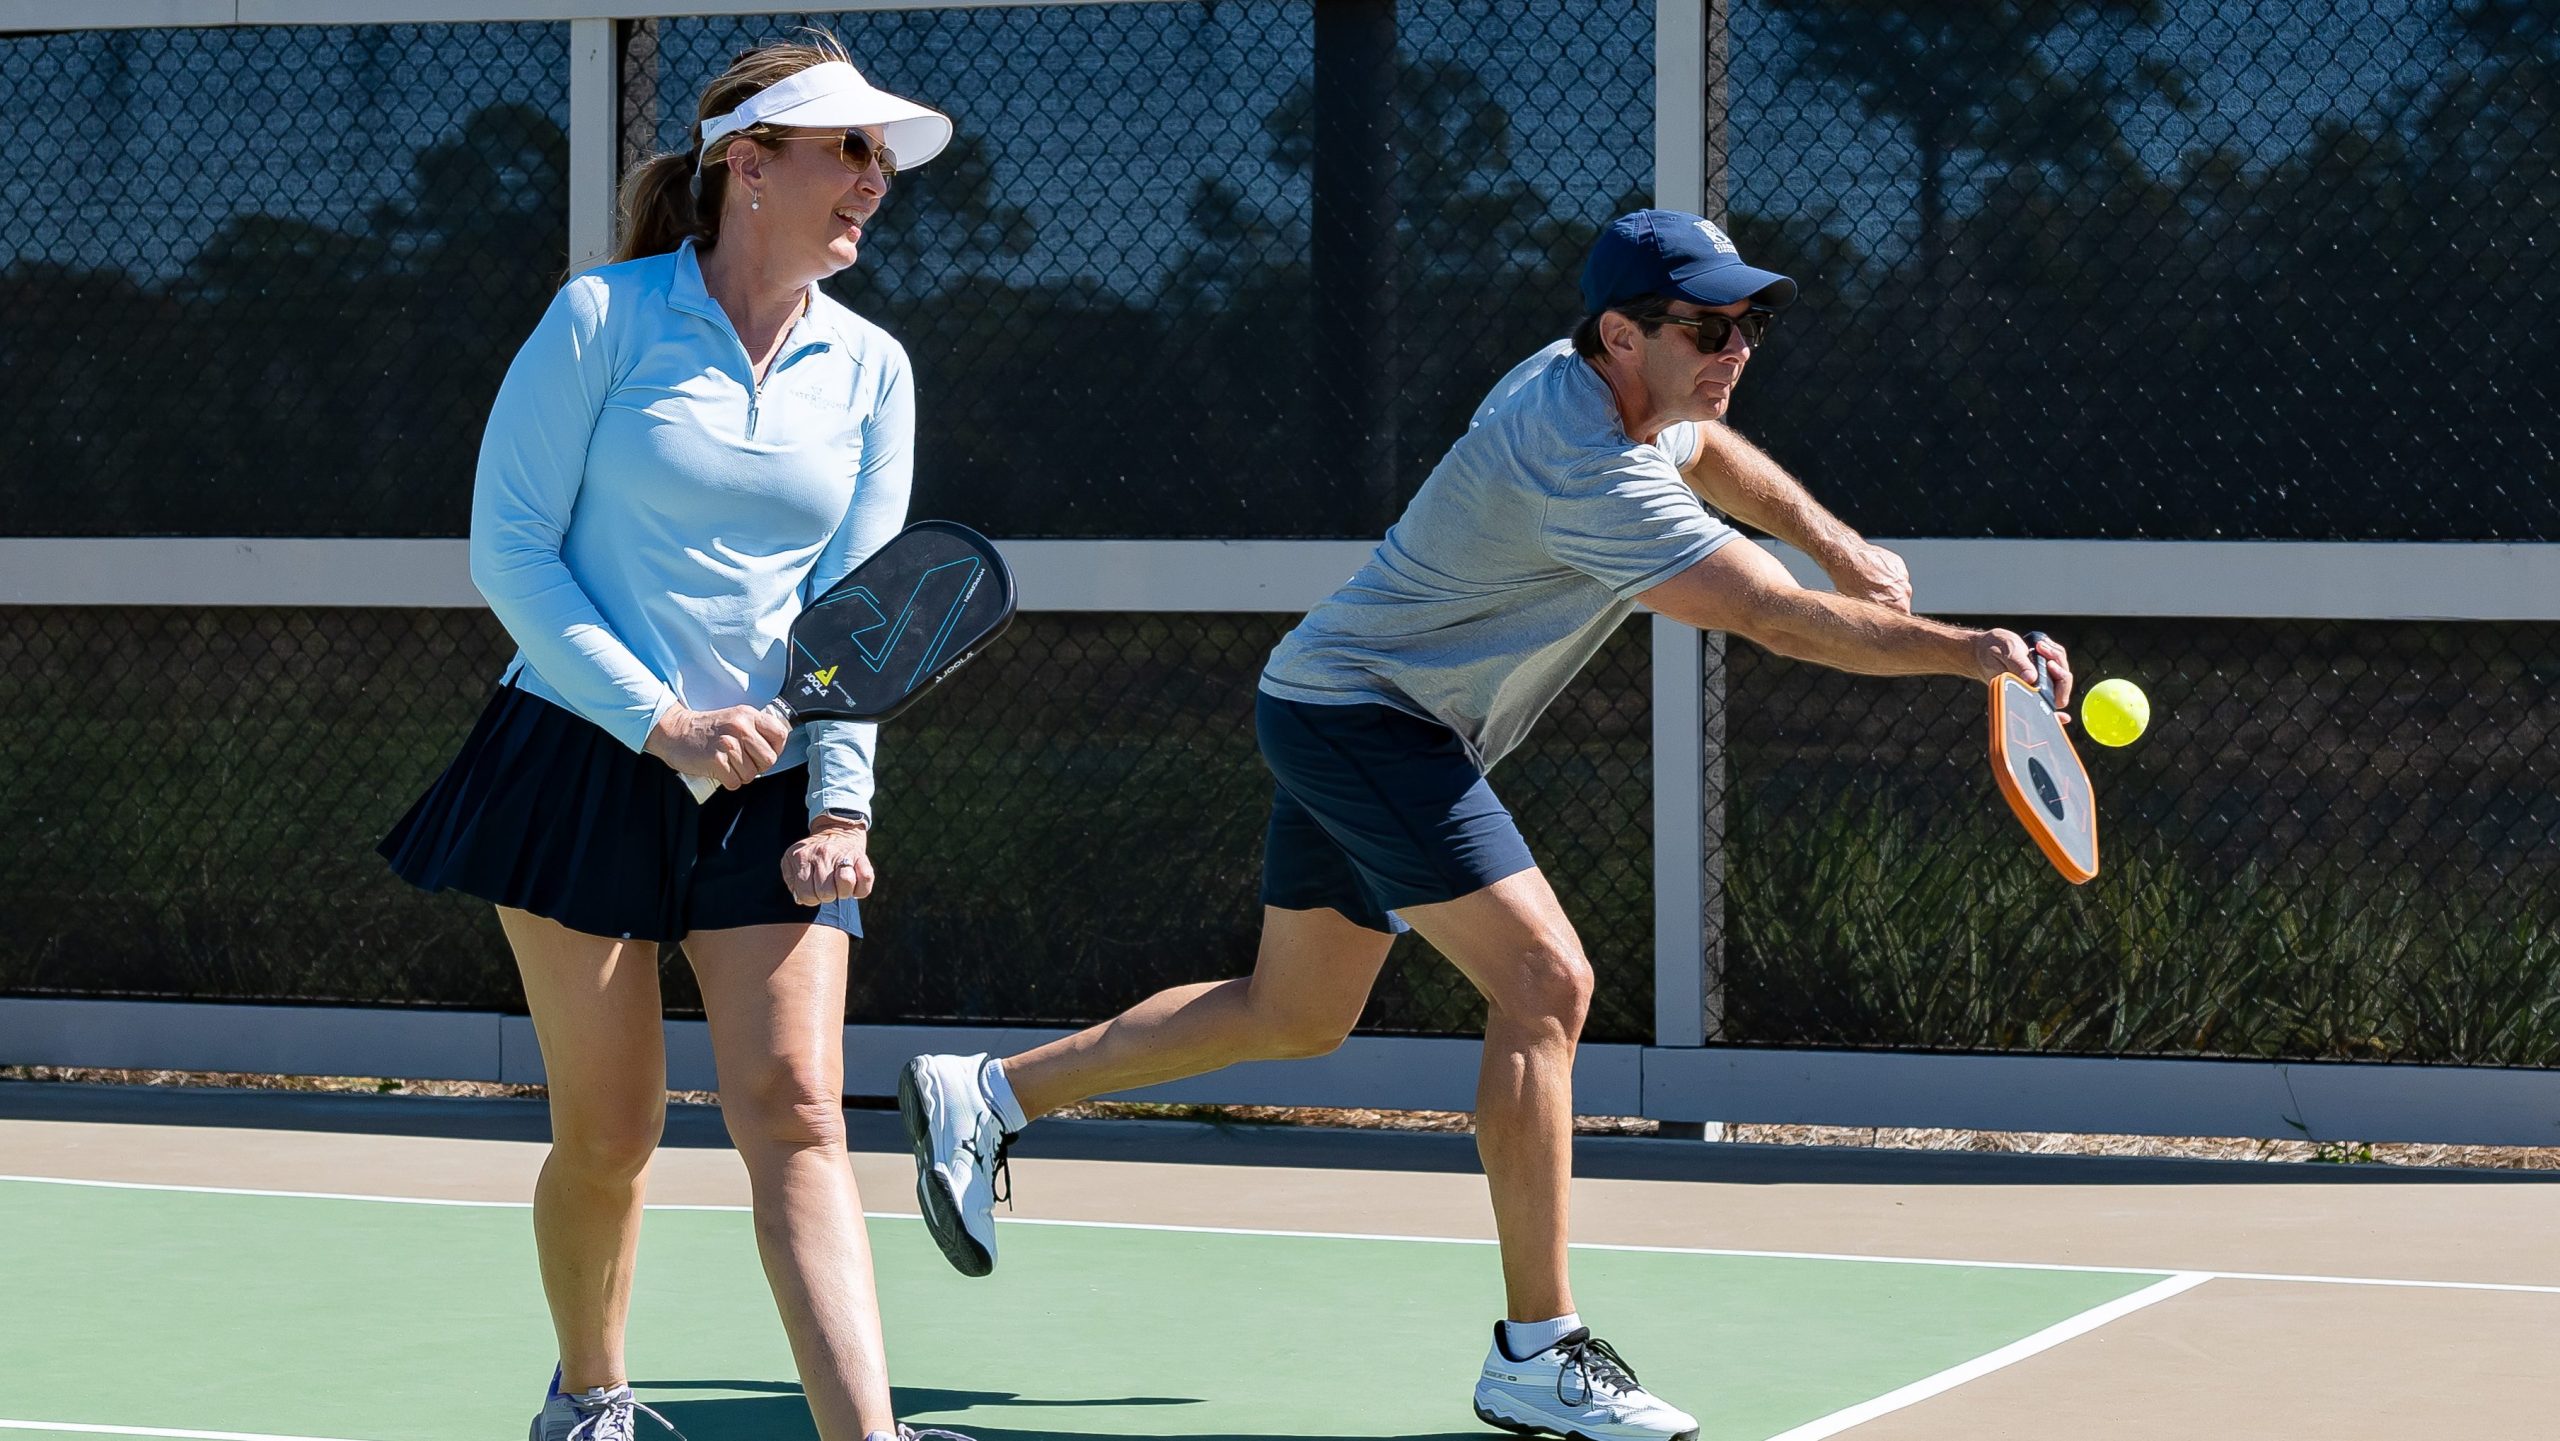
857 150
1714 332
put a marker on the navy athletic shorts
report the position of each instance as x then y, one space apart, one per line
1376 810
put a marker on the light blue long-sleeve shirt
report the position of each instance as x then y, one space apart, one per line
647 522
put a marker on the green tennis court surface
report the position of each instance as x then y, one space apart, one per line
152 1311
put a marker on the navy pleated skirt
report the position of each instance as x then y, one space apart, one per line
542 811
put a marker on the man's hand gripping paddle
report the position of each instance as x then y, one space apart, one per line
2040 773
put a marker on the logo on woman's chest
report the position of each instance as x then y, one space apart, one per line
812 391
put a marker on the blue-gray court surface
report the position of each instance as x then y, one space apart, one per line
224 1264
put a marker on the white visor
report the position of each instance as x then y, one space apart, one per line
834 96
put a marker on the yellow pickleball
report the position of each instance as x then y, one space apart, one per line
2115 712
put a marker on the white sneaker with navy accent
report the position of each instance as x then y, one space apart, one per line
1579 1389
608 1413
960 1146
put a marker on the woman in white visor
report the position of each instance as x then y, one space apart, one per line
694 443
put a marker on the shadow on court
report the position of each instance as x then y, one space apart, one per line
780 1414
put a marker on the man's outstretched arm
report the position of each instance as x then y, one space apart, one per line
1740 479
1741 589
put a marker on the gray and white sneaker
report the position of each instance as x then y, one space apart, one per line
960 1156
1579 1388
608 1413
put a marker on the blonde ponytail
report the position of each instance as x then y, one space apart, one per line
658 213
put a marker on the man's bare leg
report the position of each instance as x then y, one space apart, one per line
1513 941
1311 976
1309 981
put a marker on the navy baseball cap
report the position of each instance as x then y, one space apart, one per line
1677 255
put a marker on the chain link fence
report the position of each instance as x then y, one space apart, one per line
1241 270
2132 271
1168 281
2338 842
2273 269
1074 823
264 280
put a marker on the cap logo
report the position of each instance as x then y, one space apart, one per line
1716 238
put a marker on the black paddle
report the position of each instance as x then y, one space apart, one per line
895 626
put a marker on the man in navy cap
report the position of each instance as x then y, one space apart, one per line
1596 477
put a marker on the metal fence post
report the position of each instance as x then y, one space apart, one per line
1679 869
594 143
1679 182
1688 668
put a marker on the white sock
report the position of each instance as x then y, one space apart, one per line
1000 1095
1524 1339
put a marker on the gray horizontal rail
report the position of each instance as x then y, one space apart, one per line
2314 580
2264 1100
2347 1102
2252 579
1054 575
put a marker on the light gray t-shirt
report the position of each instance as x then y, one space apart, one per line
1520 555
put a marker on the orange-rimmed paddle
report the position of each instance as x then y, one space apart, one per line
2040 773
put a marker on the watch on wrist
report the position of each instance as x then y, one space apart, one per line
847 813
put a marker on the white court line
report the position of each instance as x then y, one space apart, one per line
288 1195
1815 1430
1850 1256
87 1430
1984 1365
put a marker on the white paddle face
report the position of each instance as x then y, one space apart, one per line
2042 777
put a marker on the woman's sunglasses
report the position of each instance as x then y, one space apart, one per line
857 150
1714 332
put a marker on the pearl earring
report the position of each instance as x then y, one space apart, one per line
755 200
